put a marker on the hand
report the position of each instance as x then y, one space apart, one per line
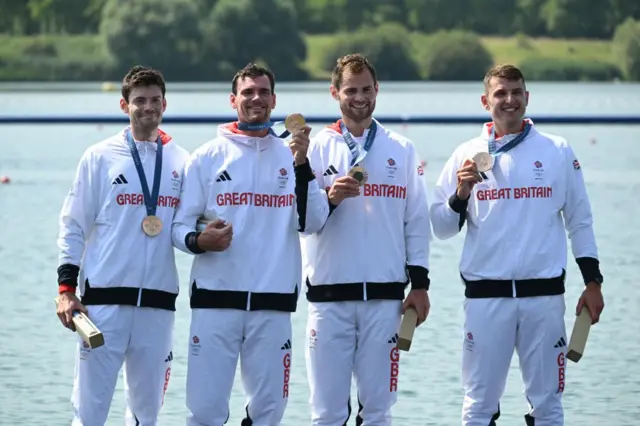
419 300
591 298
299 145
68 303
216 236
468 176
343 187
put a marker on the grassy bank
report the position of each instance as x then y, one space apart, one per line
513 50
51 58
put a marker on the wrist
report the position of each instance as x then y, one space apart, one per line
66 288
457 204
299 160
419 277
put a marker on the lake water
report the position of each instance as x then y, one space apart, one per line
37 354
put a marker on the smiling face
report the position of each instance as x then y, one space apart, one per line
507 101
505 97
356 94
145 107
253 99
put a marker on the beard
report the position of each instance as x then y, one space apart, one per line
358 114
251 116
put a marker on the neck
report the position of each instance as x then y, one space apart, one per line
356 128
255 133
144 135
506 129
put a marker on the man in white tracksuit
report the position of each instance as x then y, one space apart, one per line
375 240
246 272
517 190
115 245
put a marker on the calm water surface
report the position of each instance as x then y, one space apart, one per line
37 354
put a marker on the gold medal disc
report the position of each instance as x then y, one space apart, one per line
152 226
294 122
359 174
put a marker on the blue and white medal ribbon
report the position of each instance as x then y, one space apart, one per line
486 160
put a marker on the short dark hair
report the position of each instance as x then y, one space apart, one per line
140 76
356 63
506 71
252 70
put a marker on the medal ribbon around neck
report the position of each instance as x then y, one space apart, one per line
253 127
509 145
357 152
150 200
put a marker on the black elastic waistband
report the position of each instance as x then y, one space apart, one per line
355 291
229 299
149 298
518 288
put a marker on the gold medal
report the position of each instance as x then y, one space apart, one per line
152 225
359 174
294 122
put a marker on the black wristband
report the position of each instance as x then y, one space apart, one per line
590 269
419 276
303 172
458 205
68 274
191 241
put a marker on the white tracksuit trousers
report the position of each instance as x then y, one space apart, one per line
139 338
493 328
353 338
262 340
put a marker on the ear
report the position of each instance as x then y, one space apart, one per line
526 97
273 101
164 104
233 100
334 92
124 106
376 87
485 102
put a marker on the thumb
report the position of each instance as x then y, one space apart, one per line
580 305
405 305
467 162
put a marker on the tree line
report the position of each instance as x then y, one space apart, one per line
550 18
206 40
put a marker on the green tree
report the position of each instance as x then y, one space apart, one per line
455 56
161 33
577 18
264 31
626 48
64 16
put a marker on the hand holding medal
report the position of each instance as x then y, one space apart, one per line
299 143
468 175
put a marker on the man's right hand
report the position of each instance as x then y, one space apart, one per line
468 176
343 187
216 236
68 303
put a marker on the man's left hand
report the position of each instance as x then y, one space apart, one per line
299 145
594 301
419 300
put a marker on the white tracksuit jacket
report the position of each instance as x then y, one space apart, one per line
368 241
251 183
101 226
516 219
